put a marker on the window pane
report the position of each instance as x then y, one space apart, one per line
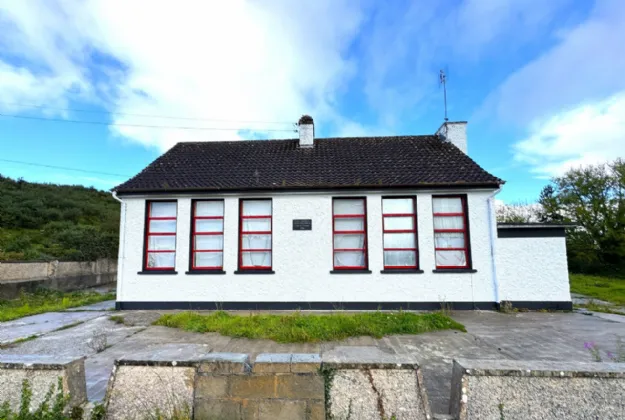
257 208
399 240
209 208
349 259
448 222
449 240
447 205
346 241
397 205
451 259
208 259
349 224
162 209
256 225
400 258
349 206
256 242
209 242
209 225
161 259
162 226
398 223
161 243
256 259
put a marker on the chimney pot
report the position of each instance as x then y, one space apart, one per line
306 131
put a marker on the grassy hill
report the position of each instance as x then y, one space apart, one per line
48 221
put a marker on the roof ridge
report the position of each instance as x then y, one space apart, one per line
394 137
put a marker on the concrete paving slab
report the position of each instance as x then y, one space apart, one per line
42 324
491 335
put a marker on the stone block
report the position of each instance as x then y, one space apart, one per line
209 386
225 363
316 410
219 409
300 386
305 363
515 389
250 409
253 386
272 363
135 390
42 372
282 410
380 393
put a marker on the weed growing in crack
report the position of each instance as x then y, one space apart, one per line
618 356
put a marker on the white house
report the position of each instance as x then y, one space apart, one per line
355 223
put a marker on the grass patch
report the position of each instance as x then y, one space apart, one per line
68 326
118 319
610 289
16 342
47 301
299 328
591 306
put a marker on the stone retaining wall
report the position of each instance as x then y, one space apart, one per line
17 276
511 389
42 373
228 386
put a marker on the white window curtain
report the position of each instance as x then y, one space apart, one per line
256 234
349 233
161 235
208 241
400 241
451 248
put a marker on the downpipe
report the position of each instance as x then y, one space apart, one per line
122 244
492 229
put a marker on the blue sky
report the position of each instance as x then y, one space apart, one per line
540 82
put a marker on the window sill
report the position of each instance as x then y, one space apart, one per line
158 272
402 271
454 270
191 272
254 272
350 272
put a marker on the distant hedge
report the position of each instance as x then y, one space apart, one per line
48 221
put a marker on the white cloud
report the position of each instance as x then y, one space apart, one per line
587 62
235 60
587 134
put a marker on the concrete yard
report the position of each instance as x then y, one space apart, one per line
491 335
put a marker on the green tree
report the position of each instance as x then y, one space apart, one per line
593 198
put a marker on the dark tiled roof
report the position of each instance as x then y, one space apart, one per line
374 162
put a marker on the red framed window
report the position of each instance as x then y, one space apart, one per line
160 235
255 226
349 231
207 235
451 239
399 218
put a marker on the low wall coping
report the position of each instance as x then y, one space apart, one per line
366 357
482 367
347 357
37 362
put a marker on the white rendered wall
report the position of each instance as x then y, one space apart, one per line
532 269
302 260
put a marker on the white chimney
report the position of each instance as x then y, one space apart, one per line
306 131
455 133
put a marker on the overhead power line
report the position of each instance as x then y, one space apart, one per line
167 127
168 117
62 167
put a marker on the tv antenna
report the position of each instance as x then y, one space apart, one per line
442 78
